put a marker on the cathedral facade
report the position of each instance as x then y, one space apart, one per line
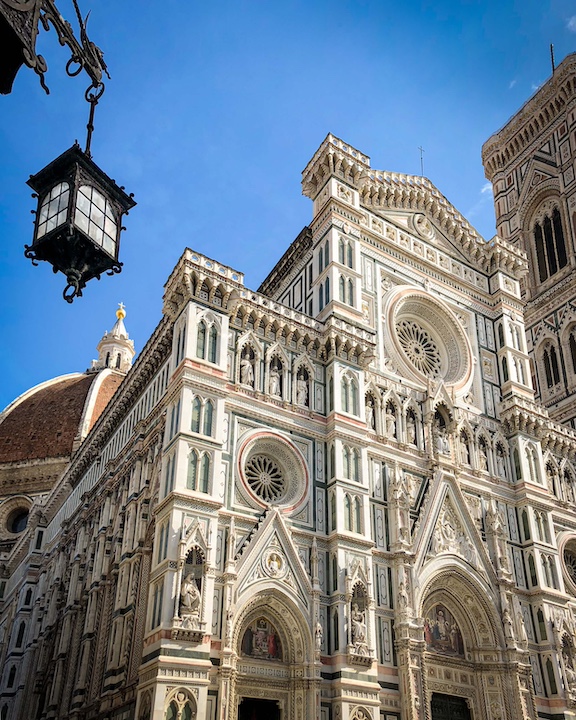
349 495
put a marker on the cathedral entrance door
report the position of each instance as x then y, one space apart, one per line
448 707
255 709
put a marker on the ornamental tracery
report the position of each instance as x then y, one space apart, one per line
425 339
272 471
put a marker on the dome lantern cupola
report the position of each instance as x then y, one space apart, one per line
115 349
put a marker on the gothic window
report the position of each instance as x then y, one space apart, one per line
320 297
532 569
505 374
351 463
334 573
198 476
541 625
327 291
532 459
202 416
320 260
335 631
551 677
172 712
326 254
28 598
346 253
350 292
174 420
500 335
163 542
342 287
349 388
20 636
352 513
333 511
517 466
11 676
550 245
204 291
157 600
207 341
170 474
551 370
572 345
118 359
187 713
525 525
347 512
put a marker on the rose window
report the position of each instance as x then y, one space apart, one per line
570 562
271 471
419 347
569 558
265 478
425 339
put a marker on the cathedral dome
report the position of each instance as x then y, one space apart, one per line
47 420
42 429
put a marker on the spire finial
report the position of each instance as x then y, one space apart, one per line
121 312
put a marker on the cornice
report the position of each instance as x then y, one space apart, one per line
495 155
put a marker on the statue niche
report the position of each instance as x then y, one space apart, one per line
261 641
191 590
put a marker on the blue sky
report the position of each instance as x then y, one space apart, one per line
213 111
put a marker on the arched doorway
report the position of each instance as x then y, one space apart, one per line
273 651
465 651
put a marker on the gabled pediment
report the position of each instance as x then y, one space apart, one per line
271 560
420 225
448 529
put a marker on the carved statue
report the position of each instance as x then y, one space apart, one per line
358 618
274 381
246 371
189 596
319 636
411 429
390 422
370 416
301 391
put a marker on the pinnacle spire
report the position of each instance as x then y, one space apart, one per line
115 349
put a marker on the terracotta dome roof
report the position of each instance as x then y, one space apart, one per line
46 421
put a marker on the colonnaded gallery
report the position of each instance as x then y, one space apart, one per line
349 495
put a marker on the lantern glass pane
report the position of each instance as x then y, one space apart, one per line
95 217
53 210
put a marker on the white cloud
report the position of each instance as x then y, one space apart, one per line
571 24
535 87
486 188
512 83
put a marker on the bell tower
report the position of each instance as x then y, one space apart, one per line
531 163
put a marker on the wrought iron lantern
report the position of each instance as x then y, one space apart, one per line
78 220
19 25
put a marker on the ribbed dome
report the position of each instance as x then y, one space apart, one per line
46 420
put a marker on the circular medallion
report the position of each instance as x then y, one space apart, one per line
274 564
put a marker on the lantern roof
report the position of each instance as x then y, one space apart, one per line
75 157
